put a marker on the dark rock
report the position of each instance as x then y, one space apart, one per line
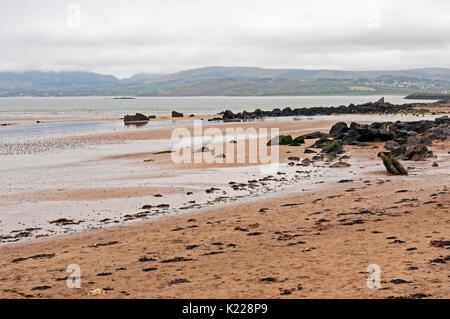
310 151
306 162
321 142
338 129
340 164
333 148
177 114
413 141
391 145
350 138
436 133
228 115
280 140
298 140
314 135
204 149
392 165
135 118
442 120
417 153
399 151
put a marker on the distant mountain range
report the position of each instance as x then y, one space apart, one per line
227 81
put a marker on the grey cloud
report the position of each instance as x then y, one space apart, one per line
126 37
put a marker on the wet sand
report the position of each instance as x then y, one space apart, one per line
310 243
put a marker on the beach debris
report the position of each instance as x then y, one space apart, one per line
393 166
399 281
146 259
340 164
306 162
176 259
65 221
110 243
104 274
178 281
40 256
204 149
254 234
41 287
268 279
440 243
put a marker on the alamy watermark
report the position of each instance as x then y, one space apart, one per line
374 280
234 146
73 20
74 279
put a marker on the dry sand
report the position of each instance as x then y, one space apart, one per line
311 245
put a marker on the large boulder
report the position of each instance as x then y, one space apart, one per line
228 115
391 145
338 129
417 153
413 141
176 114
398 151
437 133
442 120
298 140
321 142
333 148
135 118
315 135
350 138
280 140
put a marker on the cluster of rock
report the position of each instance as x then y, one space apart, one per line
366 108
138 117
404 140
329 147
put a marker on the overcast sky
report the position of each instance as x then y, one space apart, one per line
132 36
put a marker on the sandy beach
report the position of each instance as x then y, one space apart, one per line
227 230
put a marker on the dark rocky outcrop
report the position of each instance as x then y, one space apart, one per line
177 114
333 148
339 129
366 108
417 153
314 135
322 142
135 118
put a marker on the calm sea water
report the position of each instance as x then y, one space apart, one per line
31 108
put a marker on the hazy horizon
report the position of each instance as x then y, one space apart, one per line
125 38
